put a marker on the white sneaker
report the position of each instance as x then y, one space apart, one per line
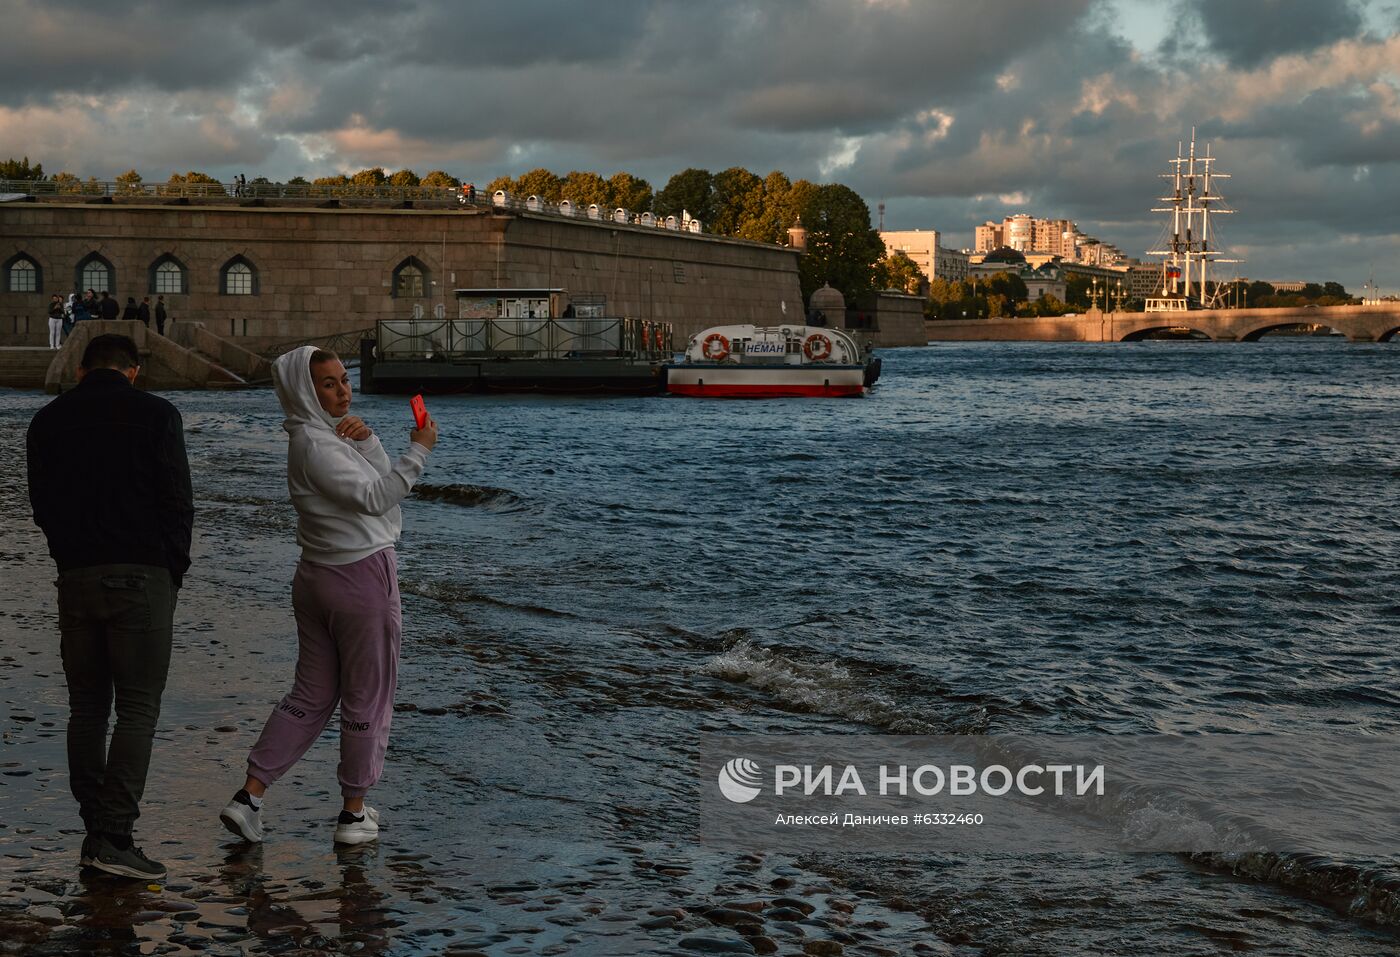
350 829
240 817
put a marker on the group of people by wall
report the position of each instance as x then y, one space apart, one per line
64 314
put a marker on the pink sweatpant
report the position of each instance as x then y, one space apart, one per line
349 626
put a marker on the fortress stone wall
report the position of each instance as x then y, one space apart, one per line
321 271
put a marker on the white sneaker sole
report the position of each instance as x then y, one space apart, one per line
242 821
361 832
121 870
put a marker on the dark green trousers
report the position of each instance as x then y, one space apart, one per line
115 623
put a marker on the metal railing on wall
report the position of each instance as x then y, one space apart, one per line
561 338
446 195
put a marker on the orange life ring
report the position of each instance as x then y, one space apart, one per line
809 347
715 356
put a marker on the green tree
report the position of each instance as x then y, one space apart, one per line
539 182
191 184
689 191
1077 289
1047 305
437 179
1311 291
582 188
738 202
898 271
67 182
368 178
1258 291
404 179
1008 285
21 170
129 183
1335 289
842 248
194 179
298 181
500 182
629 192
776 215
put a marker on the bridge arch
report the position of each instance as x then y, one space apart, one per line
1389 336
1259 332
1155 331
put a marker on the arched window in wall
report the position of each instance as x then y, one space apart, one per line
168 277
96 273
410 279
238 278
23 274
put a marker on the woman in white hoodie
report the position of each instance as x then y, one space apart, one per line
345 593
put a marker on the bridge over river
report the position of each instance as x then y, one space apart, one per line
1374 323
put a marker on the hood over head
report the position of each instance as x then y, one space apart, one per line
291 379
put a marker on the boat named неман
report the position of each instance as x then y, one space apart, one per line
746 361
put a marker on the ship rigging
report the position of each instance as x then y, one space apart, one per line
1188 244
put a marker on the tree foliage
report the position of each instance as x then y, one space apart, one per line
842 247
21 169
437 179
583 188
629 192
192 178
129 182
897 271
404 179
689 191
369 178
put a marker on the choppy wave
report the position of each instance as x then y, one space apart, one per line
471 496
458 593
825 687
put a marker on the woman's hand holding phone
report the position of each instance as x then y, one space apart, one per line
424 432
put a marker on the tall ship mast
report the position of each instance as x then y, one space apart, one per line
1188 243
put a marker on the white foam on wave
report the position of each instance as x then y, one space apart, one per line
819 687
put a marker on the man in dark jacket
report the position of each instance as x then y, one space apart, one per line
107 308
110 487
143 311
160 314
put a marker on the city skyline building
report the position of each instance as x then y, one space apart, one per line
924 248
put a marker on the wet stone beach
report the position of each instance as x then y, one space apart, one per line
589 584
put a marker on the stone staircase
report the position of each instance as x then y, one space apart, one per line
190 357
25 367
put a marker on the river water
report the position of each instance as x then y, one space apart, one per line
1156 537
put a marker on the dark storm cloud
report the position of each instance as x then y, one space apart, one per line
954 112
1250 32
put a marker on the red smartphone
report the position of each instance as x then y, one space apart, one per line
420 411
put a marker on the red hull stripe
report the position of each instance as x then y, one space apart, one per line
760 391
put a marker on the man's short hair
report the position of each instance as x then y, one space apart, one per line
323 355
111 351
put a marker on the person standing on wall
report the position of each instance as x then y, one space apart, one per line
345 593
160 315
143 311
55 321
130 313
122 546
107 307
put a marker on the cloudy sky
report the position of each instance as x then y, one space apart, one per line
950 111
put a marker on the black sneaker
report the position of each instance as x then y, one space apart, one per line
125 863
88 852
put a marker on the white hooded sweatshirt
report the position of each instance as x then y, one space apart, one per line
346 493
